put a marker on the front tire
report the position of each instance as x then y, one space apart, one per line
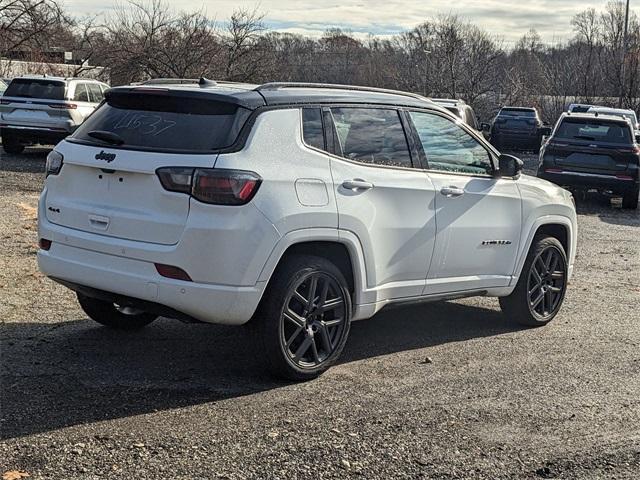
541 288
113 316
630 199
304 318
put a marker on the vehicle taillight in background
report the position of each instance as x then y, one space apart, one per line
208 185
54 163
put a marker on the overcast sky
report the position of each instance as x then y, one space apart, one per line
508 19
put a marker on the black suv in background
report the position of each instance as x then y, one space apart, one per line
519 128
588 152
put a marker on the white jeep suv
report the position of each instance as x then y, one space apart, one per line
297 207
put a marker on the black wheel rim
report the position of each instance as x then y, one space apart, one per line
313 320
547 281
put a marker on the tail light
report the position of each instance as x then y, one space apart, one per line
54 163
208 185
63 106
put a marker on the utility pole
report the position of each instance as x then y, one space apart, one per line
624 55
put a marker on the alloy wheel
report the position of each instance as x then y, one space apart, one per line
313 320
546 283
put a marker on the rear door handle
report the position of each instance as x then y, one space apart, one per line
357 184
451 192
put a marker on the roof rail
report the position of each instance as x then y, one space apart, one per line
203 82
335 86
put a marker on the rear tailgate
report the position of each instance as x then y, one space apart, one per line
122 197
113 190
34 103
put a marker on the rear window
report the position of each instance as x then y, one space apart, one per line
36 88
166 123
516 112
594 130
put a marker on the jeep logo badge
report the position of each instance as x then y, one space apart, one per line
107 157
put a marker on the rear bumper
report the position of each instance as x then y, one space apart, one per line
28 133
138 281
516 139
586 181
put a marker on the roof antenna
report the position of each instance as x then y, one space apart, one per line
205 82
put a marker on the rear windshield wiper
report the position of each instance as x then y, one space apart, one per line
108 137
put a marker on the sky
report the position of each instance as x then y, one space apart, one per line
507 19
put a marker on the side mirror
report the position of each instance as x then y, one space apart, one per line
485 127
637 137
509 166
545 131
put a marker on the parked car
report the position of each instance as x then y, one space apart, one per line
298 207
618 112
518 128
461 110
579 108
586 152
45 109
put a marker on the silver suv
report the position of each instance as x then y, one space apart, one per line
45 109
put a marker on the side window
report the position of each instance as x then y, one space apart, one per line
81 94
448 147
371 135
312 128
95 92
472 121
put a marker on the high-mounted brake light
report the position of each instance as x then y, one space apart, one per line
63 106
214 186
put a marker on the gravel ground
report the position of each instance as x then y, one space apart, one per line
178 401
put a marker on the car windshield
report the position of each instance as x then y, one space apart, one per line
36 88
594 130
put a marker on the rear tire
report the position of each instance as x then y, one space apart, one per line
11 144
542 285
112 316
304 318
630 200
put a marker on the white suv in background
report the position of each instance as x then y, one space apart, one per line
298 207
45 109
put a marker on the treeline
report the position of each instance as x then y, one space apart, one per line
444 56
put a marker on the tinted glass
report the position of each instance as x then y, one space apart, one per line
372 135
95 92
36 88
593 130
448 147
81 94
312 127
154 122
514 112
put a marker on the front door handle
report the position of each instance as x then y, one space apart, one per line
451 192
357 184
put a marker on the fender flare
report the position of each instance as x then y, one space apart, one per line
346 238
531 232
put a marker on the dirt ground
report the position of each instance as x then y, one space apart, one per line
178 401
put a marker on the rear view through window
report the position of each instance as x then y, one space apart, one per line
165 123
594 130
36 88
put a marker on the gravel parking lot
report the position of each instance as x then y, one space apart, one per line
445 390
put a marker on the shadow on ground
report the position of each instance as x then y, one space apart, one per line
76 372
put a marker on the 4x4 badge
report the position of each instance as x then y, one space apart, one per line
107 157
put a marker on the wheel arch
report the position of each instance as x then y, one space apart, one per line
556 226
341 248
